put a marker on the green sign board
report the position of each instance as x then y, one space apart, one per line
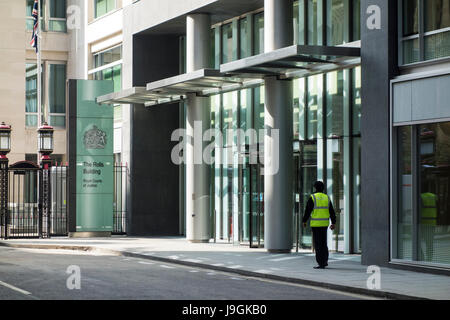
91 160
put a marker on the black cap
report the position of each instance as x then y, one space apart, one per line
319 186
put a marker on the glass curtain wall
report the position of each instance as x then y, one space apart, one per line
425 33
327 112
423 186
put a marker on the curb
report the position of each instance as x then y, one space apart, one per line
332 286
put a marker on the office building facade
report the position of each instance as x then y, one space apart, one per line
356 125
355 88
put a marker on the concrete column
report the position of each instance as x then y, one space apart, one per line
278 118
198 27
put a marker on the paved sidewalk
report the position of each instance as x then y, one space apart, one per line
345 272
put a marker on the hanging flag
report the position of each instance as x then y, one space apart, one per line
35 15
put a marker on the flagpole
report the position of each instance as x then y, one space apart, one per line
39 74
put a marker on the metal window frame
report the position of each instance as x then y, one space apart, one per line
107 12
421 35
393 135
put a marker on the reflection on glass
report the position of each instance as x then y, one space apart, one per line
356 20
437 45
308 175
411 51
404 218
312 100
259 108
335 169
335 104
227 43
356 194
244 39
57 88
434 193
258 36
437 14
312 22
410 17
335 22
356 87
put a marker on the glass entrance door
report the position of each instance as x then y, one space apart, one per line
305 174
251 205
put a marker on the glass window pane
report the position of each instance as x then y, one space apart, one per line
312 100
31 88
335 104
356 87
31 120
100 8
312 22
107 57
117 78
58 121
227 43
258 45
356 20
410 17
335 184
296 23
335 22
437 46
57 88
57 25
405 207
244 39
57 8
259 108
437 14
29 7
434 193
411 51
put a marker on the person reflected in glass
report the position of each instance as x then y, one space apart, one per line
428 221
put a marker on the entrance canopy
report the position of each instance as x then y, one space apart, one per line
286 63
294 62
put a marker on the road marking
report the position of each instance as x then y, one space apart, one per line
167 267
235 267
264 271
272 256
144 262
218 264
234 278
193 271
14 288
193 260
285 258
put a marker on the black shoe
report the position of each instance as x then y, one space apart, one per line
319 267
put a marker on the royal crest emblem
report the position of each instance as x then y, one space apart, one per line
94 138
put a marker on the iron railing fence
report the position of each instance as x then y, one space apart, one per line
120 199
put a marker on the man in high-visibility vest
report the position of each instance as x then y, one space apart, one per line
320 209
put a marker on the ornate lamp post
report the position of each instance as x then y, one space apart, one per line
45 144
45 148
5 148
5 141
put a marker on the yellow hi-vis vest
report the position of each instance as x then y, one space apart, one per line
320 217
429 209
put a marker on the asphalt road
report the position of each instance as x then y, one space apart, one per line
42 275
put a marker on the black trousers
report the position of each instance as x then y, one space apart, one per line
320 245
